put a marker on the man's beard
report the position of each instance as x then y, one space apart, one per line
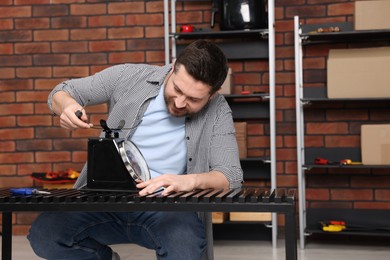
173 110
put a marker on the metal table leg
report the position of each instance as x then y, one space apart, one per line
6 249
291 236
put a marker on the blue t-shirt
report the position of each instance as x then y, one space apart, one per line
161 139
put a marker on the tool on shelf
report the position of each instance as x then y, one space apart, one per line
326 30
324 161
340 225
333 226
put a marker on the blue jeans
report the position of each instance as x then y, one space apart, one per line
87 235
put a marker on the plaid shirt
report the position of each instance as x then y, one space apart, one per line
129 88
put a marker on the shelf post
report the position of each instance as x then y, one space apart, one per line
173 27
271 62
166 32
300 131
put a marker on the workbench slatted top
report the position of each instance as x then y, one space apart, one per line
243 195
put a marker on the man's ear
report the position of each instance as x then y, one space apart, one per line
213 95
173 64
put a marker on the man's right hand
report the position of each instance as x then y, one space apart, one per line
69 119
65 106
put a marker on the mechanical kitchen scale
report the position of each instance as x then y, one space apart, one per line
114 164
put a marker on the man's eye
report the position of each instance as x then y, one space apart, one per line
194 100
177 91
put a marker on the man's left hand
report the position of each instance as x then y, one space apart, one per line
170 182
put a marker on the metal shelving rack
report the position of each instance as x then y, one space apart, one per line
256 51
309 95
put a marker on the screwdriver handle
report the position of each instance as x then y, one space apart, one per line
27 191
22 191
79 114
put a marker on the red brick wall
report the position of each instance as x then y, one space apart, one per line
43 42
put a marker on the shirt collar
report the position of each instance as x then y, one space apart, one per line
159 75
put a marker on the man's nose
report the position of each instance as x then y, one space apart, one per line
180 101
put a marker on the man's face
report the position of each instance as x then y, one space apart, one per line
183 94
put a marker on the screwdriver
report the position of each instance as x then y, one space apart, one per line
27 191
79 113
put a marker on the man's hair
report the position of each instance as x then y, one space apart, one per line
205 62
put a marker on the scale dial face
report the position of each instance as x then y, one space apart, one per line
134 161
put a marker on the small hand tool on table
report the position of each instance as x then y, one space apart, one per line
27 191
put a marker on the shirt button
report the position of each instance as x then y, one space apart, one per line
188 138
190 159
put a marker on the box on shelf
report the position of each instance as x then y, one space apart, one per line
241 134
359 73
375 144
250 216
226 88
219 217
372 15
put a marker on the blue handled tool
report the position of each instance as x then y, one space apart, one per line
27 191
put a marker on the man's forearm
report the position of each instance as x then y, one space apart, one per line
211 180
63 105
60 100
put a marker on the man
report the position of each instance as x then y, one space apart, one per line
182 126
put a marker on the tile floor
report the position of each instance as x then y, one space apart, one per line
248 250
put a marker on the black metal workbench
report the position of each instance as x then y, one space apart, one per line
239 200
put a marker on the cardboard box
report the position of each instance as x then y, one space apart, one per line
375 144
226 88
359 73
372 15
219 217
250 216
241 138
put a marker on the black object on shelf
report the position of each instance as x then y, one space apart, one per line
256 168
248 106
242 14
